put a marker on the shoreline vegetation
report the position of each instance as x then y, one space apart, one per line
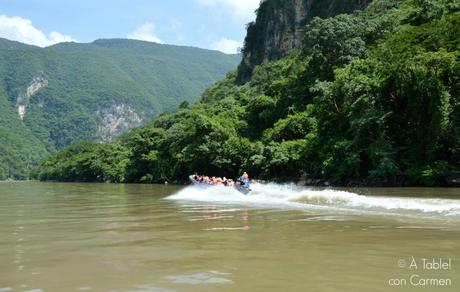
455 183
371 98
302 182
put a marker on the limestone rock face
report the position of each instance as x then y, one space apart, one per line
279 27
35 85
116 119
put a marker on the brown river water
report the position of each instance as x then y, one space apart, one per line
108 237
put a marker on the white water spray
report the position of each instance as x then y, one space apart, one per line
290 196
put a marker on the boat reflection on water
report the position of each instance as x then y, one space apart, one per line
216 215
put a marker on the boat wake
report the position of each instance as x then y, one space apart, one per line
290 196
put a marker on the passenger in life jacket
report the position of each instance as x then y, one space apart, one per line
244 180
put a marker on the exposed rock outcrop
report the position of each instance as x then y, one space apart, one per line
23 99
279 27
116 119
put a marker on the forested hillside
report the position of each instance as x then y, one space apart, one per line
371 98
51 97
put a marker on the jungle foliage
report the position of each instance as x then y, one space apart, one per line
371 98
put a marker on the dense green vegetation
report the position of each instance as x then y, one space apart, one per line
93 92
371 97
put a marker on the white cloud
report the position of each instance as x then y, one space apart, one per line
227 46
22 30
240 9
145 33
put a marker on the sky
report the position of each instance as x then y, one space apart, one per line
210 24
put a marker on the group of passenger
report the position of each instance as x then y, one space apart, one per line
218 181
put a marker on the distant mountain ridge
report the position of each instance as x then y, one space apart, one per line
53 96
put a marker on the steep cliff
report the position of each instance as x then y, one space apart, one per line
279 27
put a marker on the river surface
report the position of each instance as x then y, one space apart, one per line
104 237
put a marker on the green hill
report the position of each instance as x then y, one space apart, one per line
51 97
